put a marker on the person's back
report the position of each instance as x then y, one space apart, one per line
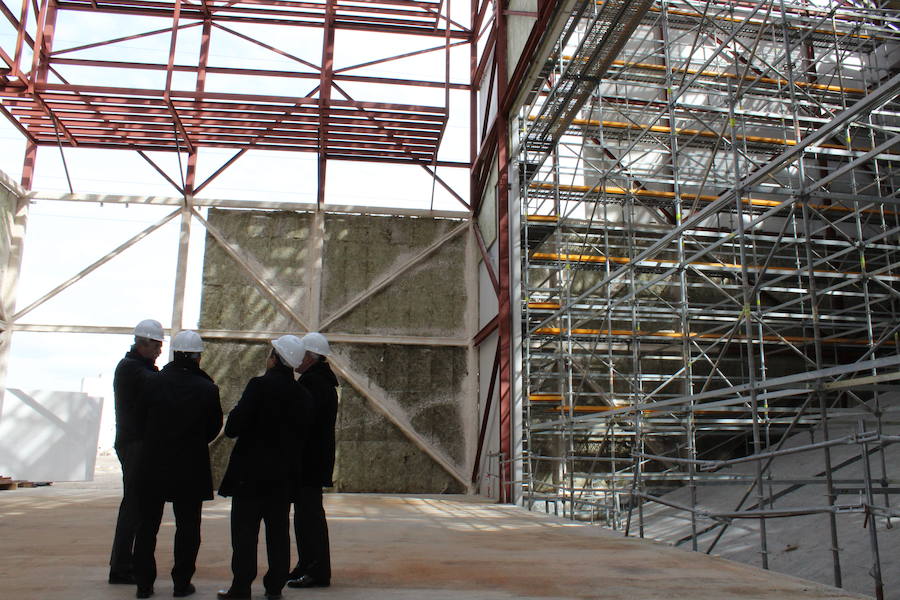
183 416
128 385
270 423
319 451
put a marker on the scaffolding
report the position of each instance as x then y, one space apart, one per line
710 262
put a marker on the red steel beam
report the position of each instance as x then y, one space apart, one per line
325 83
486 415
127 38
436 113
266 46
382 20
485 56
160 171
478 13
112 64
12 119
221 169
473 100
489 328
482 160
380 126
397 57
504 298
21 37
190 177
43 44
495 148
487 261
173 42
446 186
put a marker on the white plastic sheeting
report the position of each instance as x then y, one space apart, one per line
48 436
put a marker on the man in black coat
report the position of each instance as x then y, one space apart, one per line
269 422
313 567
131 374
183 416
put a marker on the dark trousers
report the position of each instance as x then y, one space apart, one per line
187 540
247 510
311 535
121 557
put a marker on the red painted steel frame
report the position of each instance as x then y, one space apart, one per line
494 151
503 237
90 116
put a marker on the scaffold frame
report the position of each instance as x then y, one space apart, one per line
709 248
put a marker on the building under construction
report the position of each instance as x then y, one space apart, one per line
663 293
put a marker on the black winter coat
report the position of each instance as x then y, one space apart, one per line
318 455
183 416
270 423
128 385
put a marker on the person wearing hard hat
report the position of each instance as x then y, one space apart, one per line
128 383
270 423
313 568
183 415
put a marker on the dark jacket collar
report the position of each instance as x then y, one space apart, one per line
280 370
133 354
322 369
186 364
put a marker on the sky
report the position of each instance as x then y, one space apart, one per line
63 238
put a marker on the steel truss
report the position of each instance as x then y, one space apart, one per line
711 261
52 96
82 96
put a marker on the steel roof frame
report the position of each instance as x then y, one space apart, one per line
50 109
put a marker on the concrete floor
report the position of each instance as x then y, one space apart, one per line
55 545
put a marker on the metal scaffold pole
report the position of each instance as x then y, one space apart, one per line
710 265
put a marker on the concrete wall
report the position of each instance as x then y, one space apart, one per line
428 385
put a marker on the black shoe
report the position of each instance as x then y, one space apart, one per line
184 590
230 595
308 581
273 595
123 578
143 592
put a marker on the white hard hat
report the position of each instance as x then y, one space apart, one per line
316 342
187 341
290 349
150 329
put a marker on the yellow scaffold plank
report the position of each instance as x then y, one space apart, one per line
692 335
667 195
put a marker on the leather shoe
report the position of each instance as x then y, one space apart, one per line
308 581
184 590
231 595
123 578
273 595
143 592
